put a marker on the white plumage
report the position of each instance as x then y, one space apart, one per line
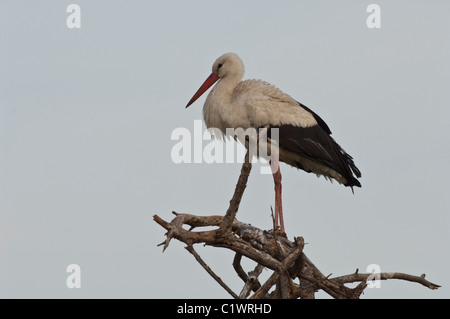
250 103
305 139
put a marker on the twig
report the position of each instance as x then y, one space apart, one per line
191 249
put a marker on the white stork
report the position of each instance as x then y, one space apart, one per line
304 138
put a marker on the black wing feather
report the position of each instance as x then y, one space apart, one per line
319 120
316 144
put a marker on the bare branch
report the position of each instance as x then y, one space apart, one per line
283 267
358 277
285 258
191 249
237 196
252 282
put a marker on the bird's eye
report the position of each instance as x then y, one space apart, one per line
220 65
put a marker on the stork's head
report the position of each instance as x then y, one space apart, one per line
228 66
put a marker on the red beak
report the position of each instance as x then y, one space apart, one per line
206 85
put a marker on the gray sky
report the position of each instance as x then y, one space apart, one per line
86 117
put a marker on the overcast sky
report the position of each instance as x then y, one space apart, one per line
86 117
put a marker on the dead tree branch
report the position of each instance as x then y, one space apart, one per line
269 250
237 196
